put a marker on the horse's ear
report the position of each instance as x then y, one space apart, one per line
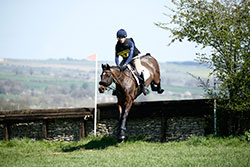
108 67
105 67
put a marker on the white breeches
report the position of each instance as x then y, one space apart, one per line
137 62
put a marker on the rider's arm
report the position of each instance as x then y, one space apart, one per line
131 51
116 59
116 56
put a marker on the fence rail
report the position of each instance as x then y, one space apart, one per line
195 107
40 114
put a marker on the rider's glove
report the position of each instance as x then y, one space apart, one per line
123 67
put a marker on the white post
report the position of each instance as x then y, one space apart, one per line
95 113
215 126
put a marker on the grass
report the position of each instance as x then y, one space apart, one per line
105 151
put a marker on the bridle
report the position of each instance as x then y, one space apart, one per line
105 85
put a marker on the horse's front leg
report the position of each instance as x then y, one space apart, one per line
123 119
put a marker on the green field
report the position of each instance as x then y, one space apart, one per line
49 83
61 83
105 152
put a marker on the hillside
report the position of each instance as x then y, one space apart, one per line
70 83
46 83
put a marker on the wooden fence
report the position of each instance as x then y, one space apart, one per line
162 109
7 118
197 107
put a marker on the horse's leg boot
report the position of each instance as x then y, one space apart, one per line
160 90
122 134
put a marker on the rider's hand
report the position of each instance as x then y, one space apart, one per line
123 67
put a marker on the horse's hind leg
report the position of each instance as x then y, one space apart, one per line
156 87
156 84
159 89
153 86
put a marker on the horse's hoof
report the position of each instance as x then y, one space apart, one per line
120 140
122 137
160 91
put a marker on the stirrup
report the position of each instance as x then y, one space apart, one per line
145 91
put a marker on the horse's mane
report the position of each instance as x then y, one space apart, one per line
114 67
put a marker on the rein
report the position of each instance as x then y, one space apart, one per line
116 80
120 75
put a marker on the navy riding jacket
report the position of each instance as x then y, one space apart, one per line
127 50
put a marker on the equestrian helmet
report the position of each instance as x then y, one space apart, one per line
121 33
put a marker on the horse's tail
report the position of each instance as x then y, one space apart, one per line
146 55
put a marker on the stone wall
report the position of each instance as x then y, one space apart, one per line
58 130
177 128
182 128
32 130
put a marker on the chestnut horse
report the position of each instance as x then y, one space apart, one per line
127 88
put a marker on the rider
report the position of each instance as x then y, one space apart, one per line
125 47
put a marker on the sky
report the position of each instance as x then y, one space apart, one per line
45 29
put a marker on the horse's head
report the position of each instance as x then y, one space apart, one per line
106 78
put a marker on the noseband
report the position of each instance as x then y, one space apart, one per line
105 85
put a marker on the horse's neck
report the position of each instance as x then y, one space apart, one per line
119 76
116 74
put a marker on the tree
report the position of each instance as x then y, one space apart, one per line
224 26
10 86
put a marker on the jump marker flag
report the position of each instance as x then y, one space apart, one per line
93 57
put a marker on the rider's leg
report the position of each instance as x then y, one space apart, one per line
138 67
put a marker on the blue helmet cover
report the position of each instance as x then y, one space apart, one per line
121 33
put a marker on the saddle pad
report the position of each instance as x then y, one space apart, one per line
145 72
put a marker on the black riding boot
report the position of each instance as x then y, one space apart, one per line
114 93
145 91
